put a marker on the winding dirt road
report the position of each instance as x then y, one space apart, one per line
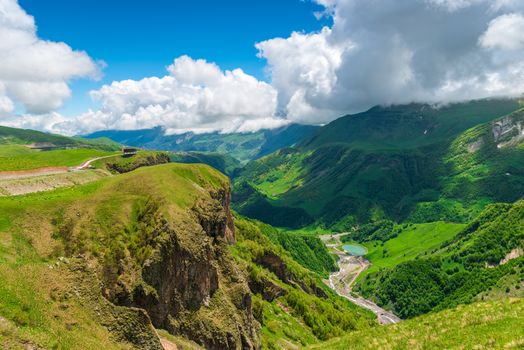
342 281
87 163
13 183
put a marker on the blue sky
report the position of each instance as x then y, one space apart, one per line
139 39
364 53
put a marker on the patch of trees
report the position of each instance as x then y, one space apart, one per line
382 230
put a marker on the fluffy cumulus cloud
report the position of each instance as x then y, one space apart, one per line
375 52
505 32
399 51
34 73
196 96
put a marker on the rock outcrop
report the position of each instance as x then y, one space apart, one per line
169 257
184 283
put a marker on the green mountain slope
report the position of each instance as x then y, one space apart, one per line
486 325
28 149
99 265
10 136
483 258
408 126
291 303
400 162
125 253
242 146
225 163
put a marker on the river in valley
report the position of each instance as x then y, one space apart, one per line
351 264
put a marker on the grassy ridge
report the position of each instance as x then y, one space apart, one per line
222 162
42 302
14 157
489 325
10 136
71 151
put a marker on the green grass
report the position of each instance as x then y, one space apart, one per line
491 325
37 304
411 242
222 162
120 164
13 157
276 179
32 313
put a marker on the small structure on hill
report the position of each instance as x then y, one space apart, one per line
129 151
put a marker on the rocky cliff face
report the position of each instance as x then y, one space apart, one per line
184 284
170 259
509 130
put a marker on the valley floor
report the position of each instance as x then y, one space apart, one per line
350 267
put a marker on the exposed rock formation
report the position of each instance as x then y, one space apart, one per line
171 258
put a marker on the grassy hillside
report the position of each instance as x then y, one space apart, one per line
486 325
408 126
74 260
66 151
10 136
15 157
123 164
404 243
483 258
241 146
222 162
293 306
413 162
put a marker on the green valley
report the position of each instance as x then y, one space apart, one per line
410 241
482 257
262 175
149 241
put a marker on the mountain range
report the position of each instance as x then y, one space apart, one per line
415 162
242 146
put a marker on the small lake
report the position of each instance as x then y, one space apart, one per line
355 250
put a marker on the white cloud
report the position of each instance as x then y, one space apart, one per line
303 67
376 52
505 32
196 95
35 72
398 51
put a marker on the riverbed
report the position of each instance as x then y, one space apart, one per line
350 267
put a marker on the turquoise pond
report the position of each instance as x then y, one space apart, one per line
355 250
